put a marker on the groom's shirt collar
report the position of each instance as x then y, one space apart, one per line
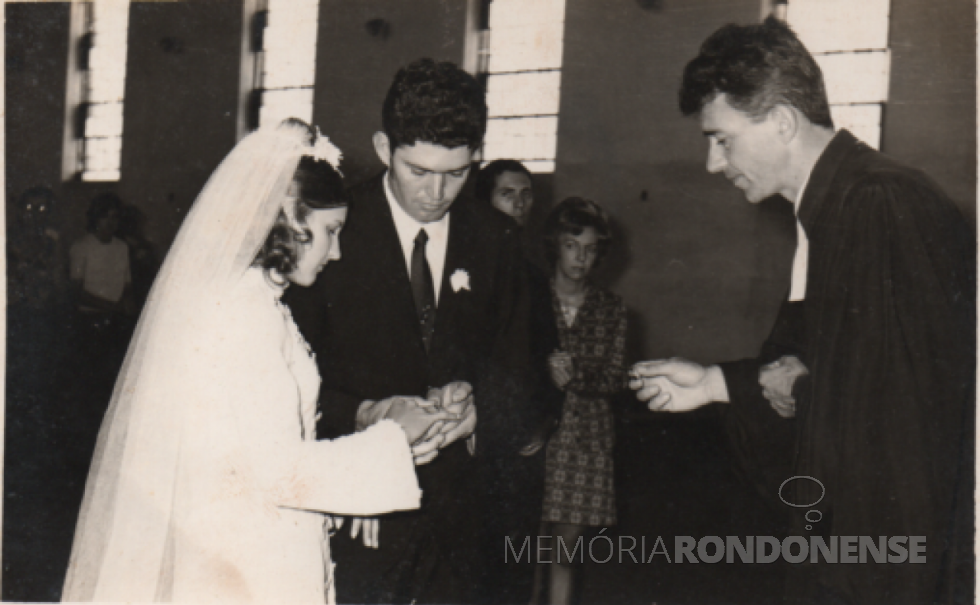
408 229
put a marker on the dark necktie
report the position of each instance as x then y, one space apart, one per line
422 289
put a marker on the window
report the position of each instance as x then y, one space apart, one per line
279 62
96 89
849 40
522 52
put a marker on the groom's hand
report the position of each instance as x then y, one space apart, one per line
457 398
371 412
415 417
426 449
464 429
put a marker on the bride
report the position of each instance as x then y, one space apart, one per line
208 483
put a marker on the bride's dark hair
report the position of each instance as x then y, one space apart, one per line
319 186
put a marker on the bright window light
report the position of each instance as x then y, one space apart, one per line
101 87
849 40
524 81
288 64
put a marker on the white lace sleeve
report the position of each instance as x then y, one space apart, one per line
368 473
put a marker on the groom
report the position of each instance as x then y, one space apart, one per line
428 301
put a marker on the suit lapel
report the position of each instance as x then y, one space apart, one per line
458 258
381 235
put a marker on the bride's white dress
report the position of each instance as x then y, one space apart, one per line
207 483
262 482
252 481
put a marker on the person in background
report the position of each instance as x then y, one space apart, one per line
590 369
101 288
37 289
506 186
881 312
34 251
37 320
100 272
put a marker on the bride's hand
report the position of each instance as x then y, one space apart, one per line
414 417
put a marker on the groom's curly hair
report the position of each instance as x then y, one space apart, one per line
436 103
320 186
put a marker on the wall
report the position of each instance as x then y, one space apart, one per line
931 117
181 105
701 269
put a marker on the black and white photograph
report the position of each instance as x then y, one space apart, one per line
479 302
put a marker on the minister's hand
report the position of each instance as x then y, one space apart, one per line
777 380
677 385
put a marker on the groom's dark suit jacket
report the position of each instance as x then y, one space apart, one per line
360 320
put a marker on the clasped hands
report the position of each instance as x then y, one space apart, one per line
678 385
442 418
777 380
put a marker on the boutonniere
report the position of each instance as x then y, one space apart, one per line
460 280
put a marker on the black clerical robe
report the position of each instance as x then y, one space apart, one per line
885 419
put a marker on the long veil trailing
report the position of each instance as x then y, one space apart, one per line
126 522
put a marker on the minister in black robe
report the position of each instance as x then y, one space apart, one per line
884 420
885 329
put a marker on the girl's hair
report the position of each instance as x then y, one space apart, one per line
572 216
319 186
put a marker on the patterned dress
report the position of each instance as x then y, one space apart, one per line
579 464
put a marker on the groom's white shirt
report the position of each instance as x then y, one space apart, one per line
408 230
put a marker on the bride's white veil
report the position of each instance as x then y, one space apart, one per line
127 512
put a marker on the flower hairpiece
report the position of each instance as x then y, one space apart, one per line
324 150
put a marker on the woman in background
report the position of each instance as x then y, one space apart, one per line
590 369
208 483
